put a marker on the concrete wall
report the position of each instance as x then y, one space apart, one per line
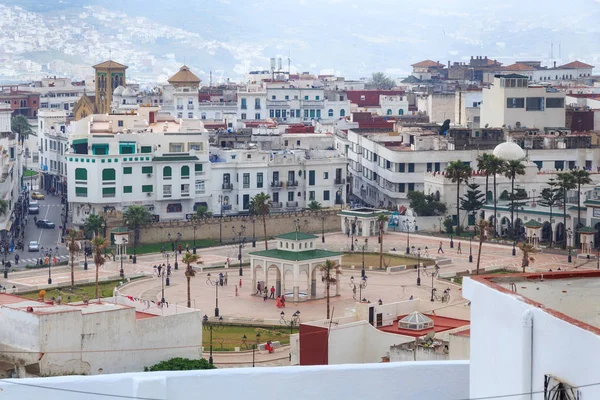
460 347
499 344
410 381
407 353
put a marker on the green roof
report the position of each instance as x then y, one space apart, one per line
533 224
80 141
296 255
175 158
351 213
586 229
296 236
120 229
595 202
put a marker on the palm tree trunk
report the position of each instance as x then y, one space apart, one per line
73 269
265 226
97 296
550 227
328 283
380 246
565 217
481 233
487 178
578 203
512 207
495 207
458 208
189 298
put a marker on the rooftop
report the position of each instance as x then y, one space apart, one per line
577 65
296 255
184 75
109 64
47 307
428 64
296 236
440 324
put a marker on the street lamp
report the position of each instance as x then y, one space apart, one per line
362 285
514 249
364 246
162 273
215 283
407 236
210 326
418 265
294 321
244 342
174 245
85 263
49 269
123 243
353 227
322 228
195 227
451 242
253 232
241 240
471 248
339 195
433 274
568 235
221 219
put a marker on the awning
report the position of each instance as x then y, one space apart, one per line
8 226
79 141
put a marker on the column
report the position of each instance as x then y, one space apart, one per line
337 284
278 287
253 273
296 293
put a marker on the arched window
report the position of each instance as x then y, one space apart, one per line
389 111
330 112
167 173
109 174
185 171
400 112
80 174
342 113
203 115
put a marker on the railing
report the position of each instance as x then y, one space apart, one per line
227 186
340 181
185 194
276 184
179 107
226 207
243 107
292 183
291 204
167 178
105 195
190 106
185 177
200 173
246 185
200 191
276 205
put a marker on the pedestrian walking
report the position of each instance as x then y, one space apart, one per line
240 283
459 250
265 294
272 293
16 259
440 249
236 291
221 278
179 248
187 248
258 288
225 278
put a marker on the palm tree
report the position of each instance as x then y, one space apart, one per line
458 172
73 247
188 259
201 213
20 125
92 225
261 205
580 177
382 219
3 207
314 206
329 274
483 165
551 197
99 243
512 168
495 166
134 217
484 228
565 183
527 249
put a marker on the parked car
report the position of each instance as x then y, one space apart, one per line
37 196
33 246
44 223
34 208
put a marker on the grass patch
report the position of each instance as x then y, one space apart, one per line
29 172
230 336
37 266
147 248
372 259
105 289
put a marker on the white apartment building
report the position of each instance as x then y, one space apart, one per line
252 103
11 173
147 158
467 108
533 70
512 102
180 96
293 178
439 106
52 139
60 93
393 105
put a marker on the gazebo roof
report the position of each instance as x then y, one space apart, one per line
120 229
364 212
296 236
532 223
296 255
586 229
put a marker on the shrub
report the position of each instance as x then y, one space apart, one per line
180 364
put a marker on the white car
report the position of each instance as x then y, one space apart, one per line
33 246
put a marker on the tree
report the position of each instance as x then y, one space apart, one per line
188 259
445 126
180 364
483 165
92 225
3 207
473 200
99 244
202 212
551 197
527 249
495 166
425 205
329 274
565 183
448 225
484 228
314 206
512 168
380 81
20 125
261 205
458 172
580 177
382 219
134 217
73 247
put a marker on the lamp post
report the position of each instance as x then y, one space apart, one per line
240 236
433 273
514 249
569 232
221 219
322 228
85 263
294 321
253 232
451 242
254 345
471 248
5 264
418 265
215 283
210 326
339 193
364 246
195 227
123 243
354 224
407 236
162 273
49 269
440 219
174 243
362 285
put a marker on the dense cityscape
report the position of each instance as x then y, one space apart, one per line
164 230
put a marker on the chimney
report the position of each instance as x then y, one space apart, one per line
471 57
486 57
448 64
554 64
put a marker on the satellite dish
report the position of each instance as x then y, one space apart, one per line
430 336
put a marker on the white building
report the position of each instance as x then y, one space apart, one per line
11 168
393 105
147 158
512 102
60 93
438 106
573 71
252 103
180 97
467 108
52 145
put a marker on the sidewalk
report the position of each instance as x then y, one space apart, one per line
232 359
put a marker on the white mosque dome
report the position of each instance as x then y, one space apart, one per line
509 151
118 91
128 92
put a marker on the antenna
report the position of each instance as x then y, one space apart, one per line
210 81
110 54
289 63
551 52
430 336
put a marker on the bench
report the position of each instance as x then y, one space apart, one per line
274 344
396 268
443 261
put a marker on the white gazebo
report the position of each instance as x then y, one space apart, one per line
295 260
362 221
120 237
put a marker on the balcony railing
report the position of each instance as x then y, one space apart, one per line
185 194
246 185
180 107
226 207
190 106
227 186
340 181
276 184
292 183
276 205
291 204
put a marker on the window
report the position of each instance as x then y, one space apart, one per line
146 170
401 187
272 113
167 173
411 187
325 195
127 170
257 116
273 97
127 189
325 175
174 208
318 113
243 116
176 147
108 174
436 167
185 172
246 180
429 167
80 174
297 143
555 103
200 187
400 112
401 167
120 123
146 149
534 104
191 115
127 148
330 112
197 146
305 113
109 192
244 105
198 169
290 196
311 178
167 191
389 111
411 167
146 188
515 102
305 97
317 97
342 113
311 195
80 192
259 180
246 201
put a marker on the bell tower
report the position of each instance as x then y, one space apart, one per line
108 76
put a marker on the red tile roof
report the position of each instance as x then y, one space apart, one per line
371 97
518 67
428 64
577 65
440 324
143 315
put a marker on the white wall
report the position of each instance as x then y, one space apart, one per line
408 381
